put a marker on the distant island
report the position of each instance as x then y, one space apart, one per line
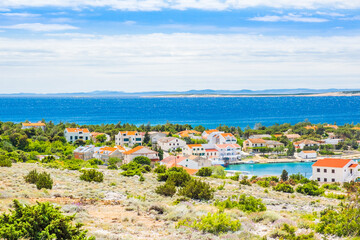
202 93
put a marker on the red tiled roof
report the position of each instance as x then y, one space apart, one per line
353 165
331 162
133 150
194 145
256 140
228 145
85 130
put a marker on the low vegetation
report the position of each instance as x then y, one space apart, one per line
243 203
41 180
92 176
197 189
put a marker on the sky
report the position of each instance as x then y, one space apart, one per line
53 46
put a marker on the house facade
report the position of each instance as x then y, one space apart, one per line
335 170
221 138
292 137
155 136
253 143
73 134
305 143
29 125
141 151
194 149
229 152
129 138
84 152
311 154
104 153
171 143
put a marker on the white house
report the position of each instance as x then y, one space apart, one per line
189 133
273 144
29 125
229 152
206 133
84 152
194 149
335 170
155 136
252 143
191 162
292 137
73 134
171 143
221 138
104 153
129 138
311 154
260 136
305 143
141 151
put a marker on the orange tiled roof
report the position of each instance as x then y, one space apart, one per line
306 141
129 133
356 128
94 134
228 145
187 132
121 148
211 131
190 171
194 145
29 124
331 162
85 130
107 149
310 127
133 150
227 135
256 140
353 165
309 151
277 135
331 126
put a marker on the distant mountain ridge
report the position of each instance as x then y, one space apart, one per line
296 91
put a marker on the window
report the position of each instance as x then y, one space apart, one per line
332 170
318 179
86 138
325 179
318 170
325 170
70 137
333 179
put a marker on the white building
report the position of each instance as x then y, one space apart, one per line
171 143
311 154
84 152
191 162
29 125
222 138
206 133
141 151
292 137
73 134
194 149
260 136
335 170
229 152
104 153
305 143
155 136
129 138
253 143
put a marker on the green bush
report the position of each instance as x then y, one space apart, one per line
197 189
48 159
5 162
132 169
142 160
332 186
177 175
284 175
263 183
31 177
218 172
147 168
160 169
92 176
243 202
44 181
235 177
297 177
95 162
310 189
41 221
204 172
216 223
284 187
245 181
112 167
335 196
287 232
167 189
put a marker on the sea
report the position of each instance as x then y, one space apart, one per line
209 112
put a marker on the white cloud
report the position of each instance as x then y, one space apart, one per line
152 5
177 62
40 27
129 22
353 18
288 18
331 14
22 15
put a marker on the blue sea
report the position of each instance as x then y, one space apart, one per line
209 112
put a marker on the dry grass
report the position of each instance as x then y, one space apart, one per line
125 208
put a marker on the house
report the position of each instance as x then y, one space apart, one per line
311 154
229 152
253 143
73 134
129 138
260 136
332 141
141 151
335 170
188 133
292 137
221 138
155 136
206 133
194 149
104 153
29 125
95 134
331 126
171 143
308 127
273 144
305 143
191 162
84 152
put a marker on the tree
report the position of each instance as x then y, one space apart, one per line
291 150
142 160
40 221
146 138
101 138
284 175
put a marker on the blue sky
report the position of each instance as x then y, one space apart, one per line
85 45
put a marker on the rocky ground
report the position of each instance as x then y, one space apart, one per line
125 208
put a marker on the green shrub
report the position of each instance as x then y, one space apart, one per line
216 223
332 186
31 177
245 181
147 168
44 181
235 177
160 169
41 221
287 232
112 167
297 177
167 189
177 175
263 183
132 169
243 202
48 159
284 175
310 189
92 176
284 187
142 160
335 196
5 162
197 189
204 172
218 172
95 162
